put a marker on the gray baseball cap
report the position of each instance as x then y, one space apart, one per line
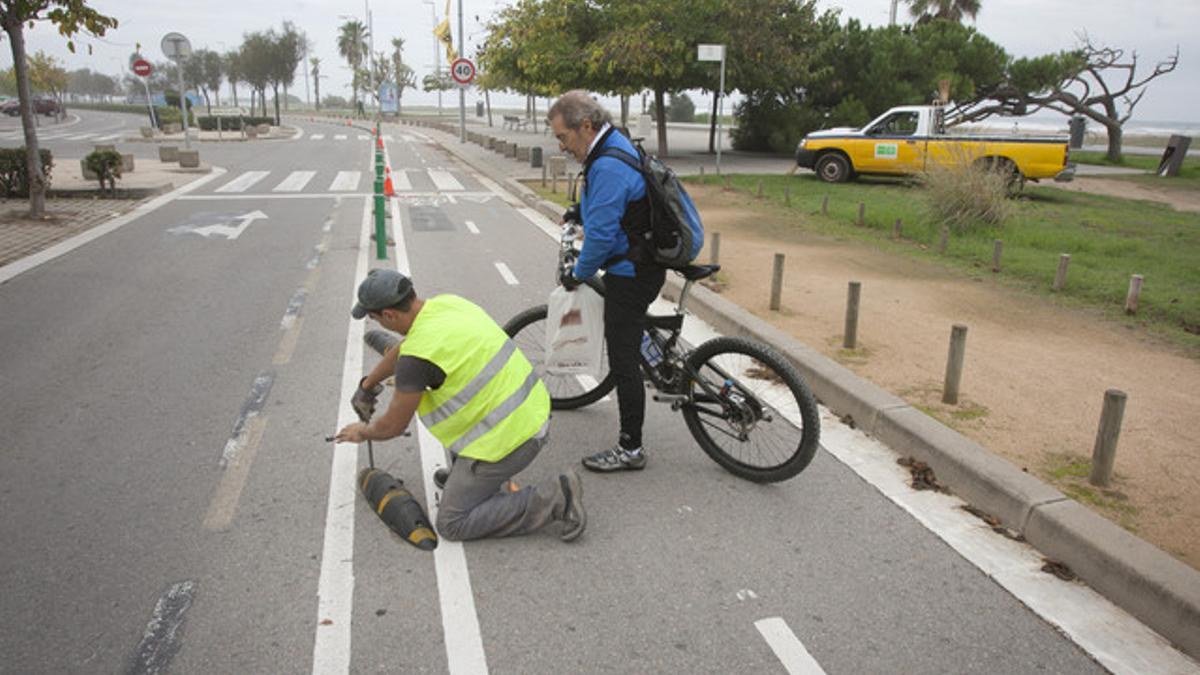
380 290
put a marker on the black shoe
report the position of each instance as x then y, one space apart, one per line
573 517
439 478
615 459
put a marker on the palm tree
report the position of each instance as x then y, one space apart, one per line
948 10
352 46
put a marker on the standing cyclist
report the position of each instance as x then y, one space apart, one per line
613 202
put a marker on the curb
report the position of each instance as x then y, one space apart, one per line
1142 579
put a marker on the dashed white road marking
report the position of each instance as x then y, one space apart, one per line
444 180
339 137
787 647
509 277
317 137
471 227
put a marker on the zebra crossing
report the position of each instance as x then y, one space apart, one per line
433 180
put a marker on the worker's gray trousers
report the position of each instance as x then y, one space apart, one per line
477 502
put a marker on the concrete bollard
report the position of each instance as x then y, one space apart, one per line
523 153
850 338
168 153
715 249
954 364
88 174
514 151
127 163
147 132
189 159
862 214
102 147
777 282
1135 290
825 206
997 251
1104 453
1060 277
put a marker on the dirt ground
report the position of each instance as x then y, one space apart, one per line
1180 199
1035 372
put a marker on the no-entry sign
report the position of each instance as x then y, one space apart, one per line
142 68
462 71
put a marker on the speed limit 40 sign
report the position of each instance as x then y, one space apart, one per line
462 71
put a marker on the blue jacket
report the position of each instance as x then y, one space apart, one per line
611 185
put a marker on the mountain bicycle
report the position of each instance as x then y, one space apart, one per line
746 405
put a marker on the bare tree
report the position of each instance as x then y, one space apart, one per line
1100 83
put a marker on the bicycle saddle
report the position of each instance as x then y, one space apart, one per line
698 272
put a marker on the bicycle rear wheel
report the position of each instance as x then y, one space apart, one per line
567 391
750 410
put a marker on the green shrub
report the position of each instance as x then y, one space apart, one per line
207 123
14 177
961 194
681 109
766 123
106 164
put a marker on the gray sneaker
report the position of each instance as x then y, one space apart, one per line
615 459
573 517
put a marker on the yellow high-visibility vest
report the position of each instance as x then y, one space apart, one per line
492 400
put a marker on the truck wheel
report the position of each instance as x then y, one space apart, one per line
833 168
1015 180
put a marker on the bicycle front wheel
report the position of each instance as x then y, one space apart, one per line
750 410
567 391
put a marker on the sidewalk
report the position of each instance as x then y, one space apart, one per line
1150 584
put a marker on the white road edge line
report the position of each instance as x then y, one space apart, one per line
335 587
46 255
460 620
787 647
471 227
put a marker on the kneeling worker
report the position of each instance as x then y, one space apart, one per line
479 396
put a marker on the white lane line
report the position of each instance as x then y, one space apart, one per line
339 137
29 262
542 222
335 586
509 277
364 137
317 137
243 182
295 181
110 137
460 621
471 227
387 138
787 647
345 181
443 180
79 137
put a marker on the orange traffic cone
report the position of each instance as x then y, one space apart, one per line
388 190
379 141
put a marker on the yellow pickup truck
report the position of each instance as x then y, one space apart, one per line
911 139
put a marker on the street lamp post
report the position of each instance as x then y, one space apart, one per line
462 90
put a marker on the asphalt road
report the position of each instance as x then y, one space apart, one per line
166 486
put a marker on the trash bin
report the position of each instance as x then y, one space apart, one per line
479 108
1078 126
535 157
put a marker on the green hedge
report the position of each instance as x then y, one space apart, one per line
106 164
231 123
14 178
164 114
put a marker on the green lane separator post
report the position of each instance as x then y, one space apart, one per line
380 224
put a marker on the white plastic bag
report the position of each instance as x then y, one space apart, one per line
574 331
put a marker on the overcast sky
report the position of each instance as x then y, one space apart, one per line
1023 27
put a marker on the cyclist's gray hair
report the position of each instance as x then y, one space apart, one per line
577 105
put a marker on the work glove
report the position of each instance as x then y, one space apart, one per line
568 280
363 400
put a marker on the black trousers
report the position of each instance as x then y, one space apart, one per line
625 302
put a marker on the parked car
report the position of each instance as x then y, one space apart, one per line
41 106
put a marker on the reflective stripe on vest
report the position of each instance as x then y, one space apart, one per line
492 399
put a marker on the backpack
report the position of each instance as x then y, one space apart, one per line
676 234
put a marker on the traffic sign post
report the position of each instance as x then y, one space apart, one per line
715 53
142 68
177 47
